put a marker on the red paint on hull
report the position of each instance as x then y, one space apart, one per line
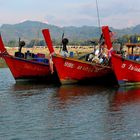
127 71
72 70
25 69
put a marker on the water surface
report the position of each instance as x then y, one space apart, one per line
30 111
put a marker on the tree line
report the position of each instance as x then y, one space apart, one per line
35 42
94 41
129 39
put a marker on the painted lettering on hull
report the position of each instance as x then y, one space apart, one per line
69 65
82 68
130 67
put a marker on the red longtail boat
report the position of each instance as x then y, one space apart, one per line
72 70
23 68
126 68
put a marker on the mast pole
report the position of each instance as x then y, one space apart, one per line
98 16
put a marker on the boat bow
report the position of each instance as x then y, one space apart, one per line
48 40
2 48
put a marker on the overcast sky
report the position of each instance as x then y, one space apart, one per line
115 13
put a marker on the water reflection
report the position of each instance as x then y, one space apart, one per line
69 93
22 89
20 86
127 95
123 113
79 112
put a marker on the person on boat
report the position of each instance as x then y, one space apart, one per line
96 59
90 57
136 54
64 51
123 52
28 55
102 53
93 56
104 57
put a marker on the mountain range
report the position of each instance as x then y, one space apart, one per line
29 30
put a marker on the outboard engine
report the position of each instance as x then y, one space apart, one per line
21 44
19 53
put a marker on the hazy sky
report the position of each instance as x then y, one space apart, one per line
115 13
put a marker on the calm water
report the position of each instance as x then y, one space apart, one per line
47 112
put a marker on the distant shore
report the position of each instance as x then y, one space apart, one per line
37 49
78 51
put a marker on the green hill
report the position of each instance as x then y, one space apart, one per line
29 30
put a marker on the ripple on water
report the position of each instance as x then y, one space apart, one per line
46 112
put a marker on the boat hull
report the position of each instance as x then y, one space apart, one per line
71 70
127 71
28 66
23 69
